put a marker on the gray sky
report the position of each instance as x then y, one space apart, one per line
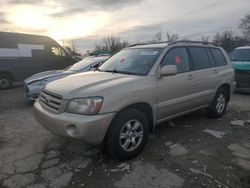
87 21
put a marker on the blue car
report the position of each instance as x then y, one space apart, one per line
33 84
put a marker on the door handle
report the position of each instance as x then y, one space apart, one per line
215 71
190 77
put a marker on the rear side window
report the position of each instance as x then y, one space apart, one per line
219 58
210 56
178 57
199 58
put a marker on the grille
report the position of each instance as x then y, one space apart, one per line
242 78
50 100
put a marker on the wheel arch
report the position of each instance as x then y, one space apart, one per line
144 107
227 88
7 73
7 76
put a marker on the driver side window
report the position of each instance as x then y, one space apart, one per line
178 57
57 51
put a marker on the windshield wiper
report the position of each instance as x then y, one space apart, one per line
119 72
112 71
97 69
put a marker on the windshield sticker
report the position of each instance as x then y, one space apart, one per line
149 52
122 60
177 59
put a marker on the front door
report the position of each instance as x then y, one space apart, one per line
58 59
175 93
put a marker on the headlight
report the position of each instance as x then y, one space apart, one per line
41 82
88 106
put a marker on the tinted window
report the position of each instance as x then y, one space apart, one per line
178 57
199 58
241 55
210 56
218 57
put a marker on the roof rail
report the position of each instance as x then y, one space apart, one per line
190 41
145 43
175 42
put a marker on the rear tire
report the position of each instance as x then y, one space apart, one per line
128 134
219 104
6 81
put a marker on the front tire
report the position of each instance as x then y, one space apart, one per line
128 134
219 104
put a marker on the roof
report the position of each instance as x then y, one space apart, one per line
243 47
165 44
25 38
22 34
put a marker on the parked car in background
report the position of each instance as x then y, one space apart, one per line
135 90
22 55
33 84
240 58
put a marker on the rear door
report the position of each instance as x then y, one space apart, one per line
203 75
219 61
175 92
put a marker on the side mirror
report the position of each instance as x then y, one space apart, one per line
168 70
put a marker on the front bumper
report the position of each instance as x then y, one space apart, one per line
31 92
90 129
242 78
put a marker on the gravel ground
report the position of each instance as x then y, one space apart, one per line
192 151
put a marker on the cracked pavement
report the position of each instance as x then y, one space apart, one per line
192 151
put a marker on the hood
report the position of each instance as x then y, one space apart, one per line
241 65
44 75
88 84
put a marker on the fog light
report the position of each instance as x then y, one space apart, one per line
72 131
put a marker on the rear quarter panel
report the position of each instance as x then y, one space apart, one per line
226 73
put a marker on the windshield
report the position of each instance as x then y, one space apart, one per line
240 55
86 62
132 61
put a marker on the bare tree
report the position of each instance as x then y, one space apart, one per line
245 26
171 36
70 46
217 39
204 38
111 43
228 40
158 37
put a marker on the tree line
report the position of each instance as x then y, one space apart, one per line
226 39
